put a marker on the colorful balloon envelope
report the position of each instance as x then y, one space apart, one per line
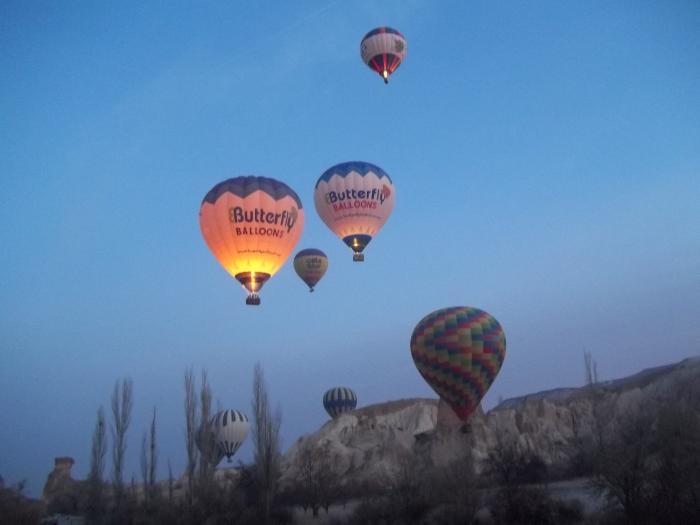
459 351
310 264
339 400
383 49
230 428
251 225
355 199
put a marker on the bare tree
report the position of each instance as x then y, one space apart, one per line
190 431
649 462
206 445
95 478
144 464
455 488
623 466
149 460
122 403
170 482
408 495
316 481
266 443
153 453
591 367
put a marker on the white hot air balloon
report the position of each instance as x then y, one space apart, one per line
383 49
354 199
230 428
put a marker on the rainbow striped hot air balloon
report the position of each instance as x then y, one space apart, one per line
251 225
383 49
355 199
339 400
459 351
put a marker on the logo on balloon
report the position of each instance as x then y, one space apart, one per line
348 199
286 219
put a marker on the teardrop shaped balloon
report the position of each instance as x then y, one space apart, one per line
339 400
459 351
230 428
310 264
355 199
251 225
383 49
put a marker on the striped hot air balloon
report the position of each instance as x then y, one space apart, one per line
230 428
339 400
355 199
251 225
459 351
383 49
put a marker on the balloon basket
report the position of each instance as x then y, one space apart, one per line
358 257
252 300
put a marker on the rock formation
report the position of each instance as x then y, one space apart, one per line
61 491
370 442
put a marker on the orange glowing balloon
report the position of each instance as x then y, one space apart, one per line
251 225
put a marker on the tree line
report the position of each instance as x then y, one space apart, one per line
644 465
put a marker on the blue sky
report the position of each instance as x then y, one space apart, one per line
546 158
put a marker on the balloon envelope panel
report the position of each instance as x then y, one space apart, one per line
459 351
354 199
339 400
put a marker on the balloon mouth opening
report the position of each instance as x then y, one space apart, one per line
252 281
385 76
357 243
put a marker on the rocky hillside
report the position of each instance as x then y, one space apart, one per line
369 443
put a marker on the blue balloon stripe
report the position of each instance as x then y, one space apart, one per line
345 168
244 186
380 30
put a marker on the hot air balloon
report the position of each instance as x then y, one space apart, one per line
354 199
339 400
459 351
230 428
310 264
251 225
383 49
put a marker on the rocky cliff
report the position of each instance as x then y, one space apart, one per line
370 442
